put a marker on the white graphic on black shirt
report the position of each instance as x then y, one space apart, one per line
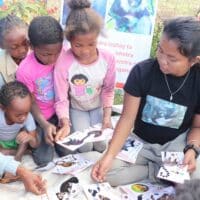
163 113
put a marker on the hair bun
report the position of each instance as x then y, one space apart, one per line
79 4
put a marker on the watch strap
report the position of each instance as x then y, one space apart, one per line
193 147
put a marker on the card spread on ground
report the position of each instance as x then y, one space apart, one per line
146 191
101 191
130 150
70 164
66 190
92 134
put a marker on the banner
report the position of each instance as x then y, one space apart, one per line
129 26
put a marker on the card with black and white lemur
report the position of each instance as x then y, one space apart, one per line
91 134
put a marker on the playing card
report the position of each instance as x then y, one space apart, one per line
145 191
101 191
174 173
130 150
92 134
173 168
66 190
71 164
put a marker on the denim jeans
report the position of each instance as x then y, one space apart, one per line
45 152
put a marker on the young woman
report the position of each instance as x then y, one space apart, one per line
162 104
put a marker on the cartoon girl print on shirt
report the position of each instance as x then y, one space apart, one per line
44 88
80 87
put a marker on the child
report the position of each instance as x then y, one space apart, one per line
17 127
36 72
13 39
32 182
162 103
84 76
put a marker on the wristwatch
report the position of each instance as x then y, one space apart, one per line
193 147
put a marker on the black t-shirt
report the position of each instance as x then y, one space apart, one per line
160 120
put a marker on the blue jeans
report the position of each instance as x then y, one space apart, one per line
45 152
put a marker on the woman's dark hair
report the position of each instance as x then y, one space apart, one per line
11 90
45 30
186 32
82 19
8 24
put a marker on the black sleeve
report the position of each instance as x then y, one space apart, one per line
196 68
139 78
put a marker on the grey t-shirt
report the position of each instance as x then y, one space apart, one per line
9 132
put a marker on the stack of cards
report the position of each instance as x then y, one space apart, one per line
92 134
146 191
70 164
130 150
173 168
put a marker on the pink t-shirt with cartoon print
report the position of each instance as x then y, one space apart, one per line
39 79
83 87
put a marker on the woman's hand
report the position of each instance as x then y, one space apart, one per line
101 168
190 160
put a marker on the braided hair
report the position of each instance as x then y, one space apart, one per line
82 19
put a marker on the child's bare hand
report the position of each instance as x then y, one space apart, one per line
106 124
50 132
32 182
62 132
23 137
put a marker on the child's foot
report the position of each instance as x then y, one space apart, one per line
8 151
18 158
9 178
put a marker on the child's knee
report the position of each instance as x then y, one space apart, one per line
86 148
100 146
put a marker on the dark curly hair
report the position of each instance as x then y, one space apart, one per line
186 32
45 30
11 90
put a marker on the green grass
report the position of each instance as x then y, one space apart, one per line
119 95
